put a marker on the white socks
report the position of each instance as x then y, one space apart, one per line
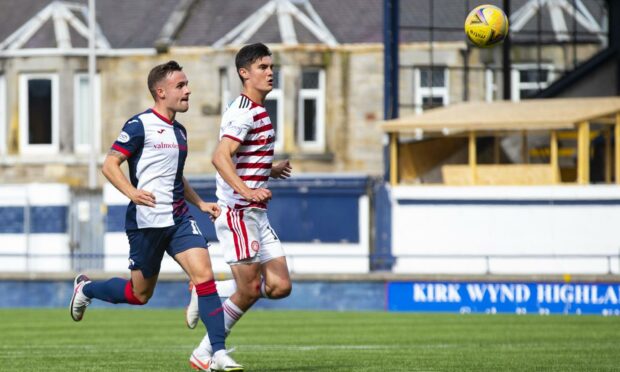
232 314
226 288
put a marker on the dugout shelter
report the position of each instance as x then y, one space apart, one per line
573 127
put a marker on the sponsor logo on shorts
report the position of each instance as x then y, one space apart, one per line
255 246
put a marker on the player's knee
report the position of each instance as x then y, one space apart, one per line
142 298
282 290
135 296
250 292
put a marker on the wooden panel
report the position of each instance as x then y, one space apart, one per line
506 174
393 159
617 149
415 159
472 152
583 154
554 157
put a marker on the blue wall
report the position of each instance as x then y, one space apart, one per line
303 209
174 294
448 297
43 219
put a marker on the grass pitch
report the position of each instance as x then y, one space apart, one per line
157 340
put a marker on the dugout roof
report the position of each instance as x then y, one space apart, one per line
535 114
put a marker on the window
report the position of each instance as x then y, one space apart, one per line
490 88
311 119
528 79
2 115
38 113
431 88
83 124
275 108
224 89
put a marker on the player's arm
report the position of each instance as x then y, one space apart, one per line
222 160
112 171
192 196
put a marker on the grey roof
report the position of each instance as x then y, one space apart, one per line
138 23
350 21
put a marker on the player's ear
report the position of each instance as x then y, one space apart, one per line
160 92
245 74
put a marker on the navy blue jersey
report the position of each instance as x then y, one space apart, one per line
156 149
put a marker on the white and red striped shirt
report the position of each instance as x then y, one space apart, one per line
247 123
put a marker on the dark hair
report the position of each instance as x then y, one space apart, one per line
249 54
159 73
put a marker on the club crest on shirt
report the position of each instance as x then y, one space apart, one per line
263 140
123 137
255 246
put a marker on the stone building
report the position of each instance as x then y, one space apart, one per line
326 104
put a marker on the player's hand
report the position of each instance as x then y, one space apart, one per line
212 209
258 195
282 170
143 197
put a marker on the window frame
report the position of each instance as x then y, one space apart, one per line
24 135
86 148
515 78
430 92
277 94
224 89
3 115
317 94
490 88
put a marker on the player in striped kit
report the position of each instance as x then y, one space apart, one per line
244 163
157 220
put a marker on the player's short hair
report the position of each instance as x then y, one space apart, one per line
250 54
159 73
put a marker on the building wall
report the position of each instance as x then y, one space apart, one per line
353 101
353 105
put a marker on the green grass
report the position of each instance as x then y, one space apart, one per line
157 340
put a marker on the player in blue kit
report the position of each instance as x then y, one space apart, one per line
157 220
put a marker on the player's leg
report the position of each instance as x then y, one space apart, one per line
225 289
147 247
247 277
276 281
275 284
236 230
197 264
240 232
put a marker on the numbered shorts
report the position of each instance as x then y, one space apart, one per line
147 246
246 236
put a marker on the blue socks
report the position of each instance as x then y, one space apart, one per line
212 314
115 290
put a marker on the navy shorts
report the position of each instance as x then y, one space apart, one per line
147 246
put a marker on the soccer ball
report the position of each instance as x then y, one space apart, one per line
486 26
